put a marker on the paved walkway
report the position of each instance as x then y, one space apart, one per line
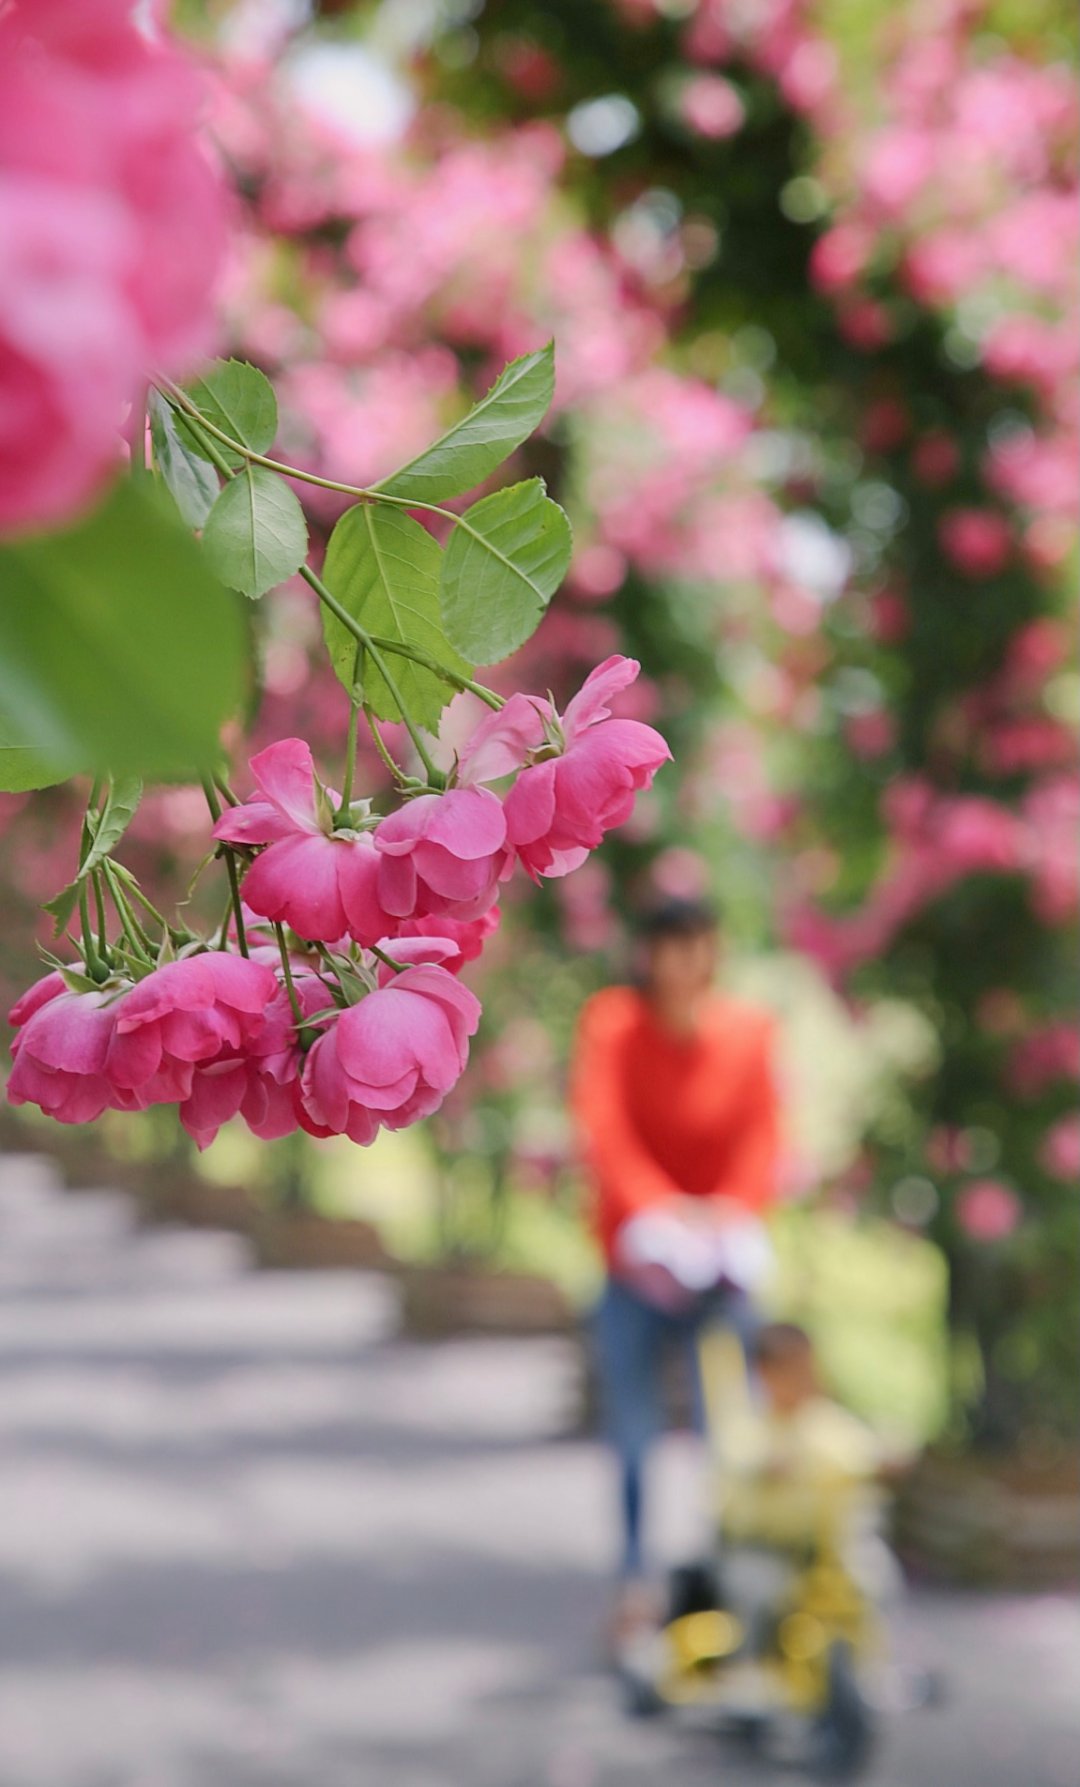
249 1539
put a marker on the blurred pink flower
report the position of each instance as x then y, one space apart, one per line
1043 1058
840 256
114 230
978 541
935 458
987 1210
948 1149
890 617
1060 1152
870 734
711 106
897 167
886 423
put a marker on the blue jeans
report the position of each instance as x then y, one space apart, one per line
631 1339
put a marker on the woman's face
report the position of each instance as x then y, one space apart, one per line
679 970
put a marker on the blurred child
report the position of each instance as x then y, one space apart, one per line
797 1474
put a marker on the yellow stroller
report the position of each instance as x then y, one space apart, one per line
776 1637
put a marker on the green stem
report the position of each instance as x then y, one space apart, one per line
398 967
286 969
419 656
97 964
226 792
180 400
237 904
141 944
350 738
177 936
214 805
213 452
380 745
363 638
96 968
99 904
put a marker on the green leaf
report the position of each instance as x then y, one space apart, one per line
121 805
472 449
62 906
255 535
506 558
384 568
190 479
23 766
238 399
119 649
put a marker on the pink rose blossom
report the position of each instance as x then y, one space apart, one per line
987 1210
322 882
184 1014
260 1079
443 853
61 1051
126 1047
391 1059
468 936
582 770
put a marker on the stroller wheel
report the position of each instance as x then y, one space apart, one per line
692 1588
843 1736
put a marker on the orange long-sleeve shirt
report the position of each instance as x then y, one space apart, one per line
661 1113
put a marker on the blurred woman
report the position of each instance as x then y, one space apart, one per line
674 1097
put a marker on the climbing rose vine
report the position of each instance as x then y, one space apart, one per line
327 997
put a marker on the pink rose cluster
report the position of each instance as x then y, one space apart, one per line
113 224
358 1022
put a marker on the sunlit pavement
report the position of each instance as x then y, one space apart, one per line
246 1537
